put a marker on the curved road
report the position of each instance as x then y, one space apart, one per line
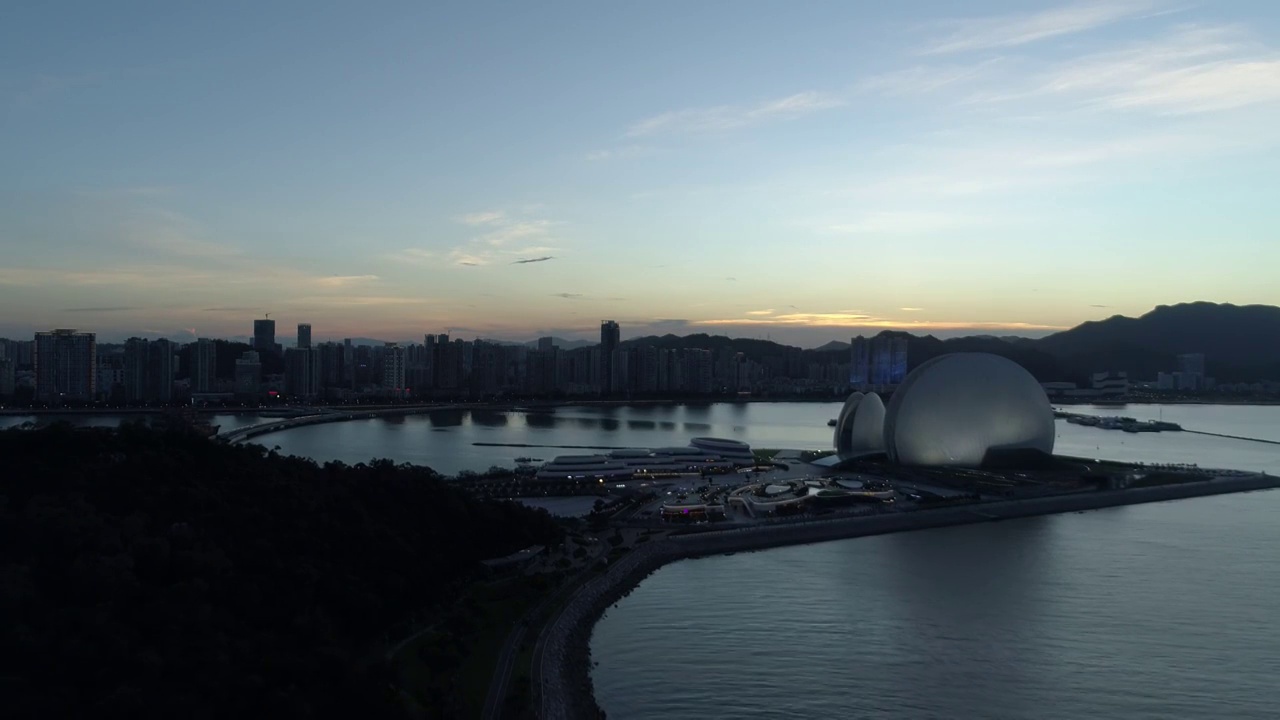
510 649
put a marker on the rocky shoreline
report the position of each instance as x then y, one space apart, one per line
565 689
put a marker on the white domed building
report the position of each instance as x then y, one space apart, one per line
860 426
963 409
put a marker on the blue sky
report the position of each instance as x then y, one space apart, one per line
802 171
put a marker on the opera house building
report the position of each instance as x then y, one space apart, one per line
962 409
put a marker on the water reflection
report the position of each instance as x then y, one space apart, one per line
447 418
540 420
490 418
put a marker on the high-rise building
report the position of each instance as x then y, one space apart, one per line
204 366
697 371
546 344
393 370
331 360
304 335
111 374
66 363
888 360
898 364
136 356
148 370
249 373
264 335
859 361
8 376
161 369
302 372
348 363
610 337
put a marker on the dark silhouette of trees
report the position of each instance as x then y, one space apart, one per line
148 573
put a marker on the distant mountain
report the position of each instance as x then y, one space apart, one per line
833 346
1238 342
751 347
563 344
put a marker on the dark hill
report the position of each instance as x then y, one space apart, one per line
1238 341
159 574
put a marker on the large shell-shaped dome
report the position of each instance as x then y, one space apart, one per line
860 427
957 409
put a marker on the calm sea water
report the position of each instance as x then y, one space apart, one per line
1166 610
446 441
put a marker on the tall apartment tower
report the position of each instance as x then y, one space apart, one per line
136 359
66 363
304 335
393 367
248 373
204 366
610 336
149 370
303 373
859 361
264 335
161 367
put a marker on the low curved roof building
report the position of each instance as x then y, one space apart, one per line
860 426
963 408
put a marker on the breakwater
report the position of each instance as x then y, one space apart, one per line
1234 437
561 662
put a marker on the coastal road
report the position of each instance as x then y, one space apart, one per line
502 673
497 692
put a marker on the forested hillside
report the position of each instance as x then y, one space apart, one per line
159 574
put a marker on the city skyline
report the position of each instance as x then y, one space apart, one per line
752 171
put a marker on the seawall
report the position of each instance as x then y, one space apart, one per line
562 676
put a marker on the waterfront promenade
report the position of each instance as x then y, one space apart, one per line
561 660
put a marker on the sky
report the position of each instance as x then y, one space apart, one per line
800 171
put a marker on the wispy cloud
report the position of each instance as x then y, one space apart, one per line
507 231
346 280
728 117
135 276
493 246
99 309
415 256
859 320
760 312
567 295
623 152
1021 29
922 79
170 233
1193 69
487 217
468 259
911 309
358 300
